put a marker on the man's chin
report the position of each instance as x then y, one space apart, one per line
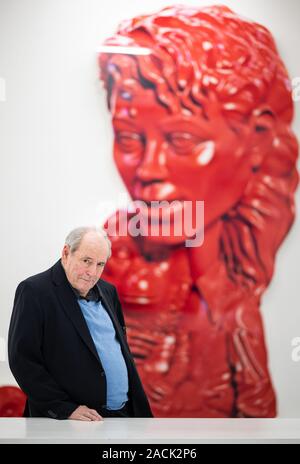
84 289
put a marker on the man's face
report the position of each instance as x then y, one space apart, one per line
179 156
84 266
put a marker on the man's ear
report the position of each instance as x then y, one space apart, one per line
65 252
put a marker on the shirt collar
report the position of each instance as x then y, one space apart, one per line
92 295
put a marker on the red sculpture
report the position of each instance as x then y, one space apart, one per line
202 112
12 401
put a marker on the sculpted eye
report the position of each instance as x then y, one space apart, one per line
129 141
183 142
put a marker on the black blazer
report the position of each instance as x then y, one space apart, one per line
52 354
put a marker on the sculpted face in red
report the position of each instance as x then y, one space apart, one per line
201 113
163 155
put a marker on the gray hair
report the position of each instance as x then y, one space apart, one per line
74 237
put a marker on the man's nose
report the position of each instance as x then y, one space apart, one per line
92 270
153 166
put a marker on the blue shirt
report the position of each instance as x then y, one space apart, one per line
109 350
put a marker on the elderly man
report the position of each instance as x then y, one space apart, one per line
67 339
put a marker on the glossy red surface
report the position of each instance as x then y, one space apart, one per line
12 401
205 115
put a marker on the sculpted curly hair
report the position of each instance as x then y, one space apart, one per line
207 56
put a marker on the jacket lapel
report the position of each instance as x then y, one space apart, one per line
113 317
71 307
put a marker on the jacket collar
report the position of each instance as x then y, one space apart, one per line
71 307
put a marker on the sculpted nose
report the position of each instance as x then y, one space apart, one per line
153 166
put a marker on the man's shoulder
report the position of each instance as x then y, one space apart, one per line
37 281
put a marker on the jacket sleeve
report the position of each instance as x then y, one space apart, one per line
25 356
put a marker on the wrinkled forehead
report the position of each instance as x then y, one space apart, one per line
93 246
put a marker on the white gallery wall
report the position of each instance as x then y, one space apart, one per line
56 150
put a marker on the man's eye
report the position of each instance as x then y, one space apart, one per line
129 141
183 142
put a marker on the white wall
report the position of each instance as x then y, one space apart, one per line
55 148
